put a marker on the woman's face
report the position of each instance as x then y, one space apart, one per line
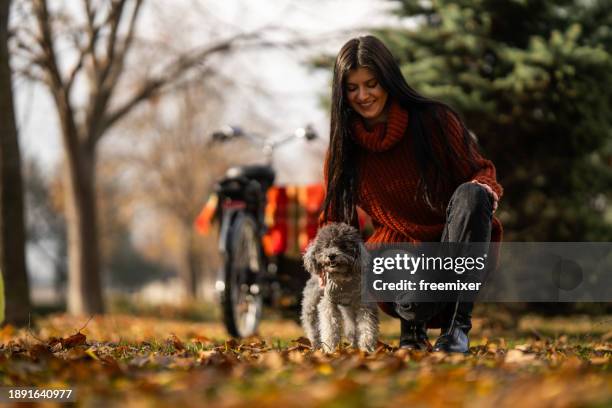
365 95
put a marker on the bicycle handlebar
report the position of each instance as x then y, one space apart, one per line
267 145
231 132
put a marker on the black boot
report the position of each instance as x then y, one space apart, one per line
414 336
454 337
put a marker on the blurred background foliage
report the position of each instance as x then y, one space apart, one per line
531 78
532 81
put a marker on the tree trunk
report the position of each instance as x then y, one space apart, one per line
12 248
193 265
84 283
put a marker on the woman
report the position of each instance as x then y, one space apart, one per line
411 164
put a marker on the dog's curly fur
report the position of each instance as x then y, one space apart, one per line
337 252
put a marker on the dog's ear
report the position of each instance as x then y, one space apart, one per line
363 259
309 259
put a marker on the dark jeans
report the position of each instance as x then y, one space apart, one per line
469 216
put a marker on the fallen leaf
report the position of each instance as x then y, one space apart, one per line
518 357
56 347
91 353
295 356
205 354
140 361
325 369
74 340
176 342
7 331
523 347
54 341
302 341
40 351
205 341
601 360
273 360
76 353
455 358
230 344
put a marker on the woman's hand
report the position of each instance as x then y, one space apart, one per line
490 191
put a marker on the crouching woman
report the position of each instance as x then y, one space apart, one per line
411 164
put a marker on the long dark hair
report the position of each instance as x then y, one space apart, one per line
341 161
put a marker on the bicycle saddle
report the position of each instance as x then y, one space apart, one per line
262 173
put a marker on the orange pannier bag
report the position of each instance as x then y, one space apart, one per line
292 217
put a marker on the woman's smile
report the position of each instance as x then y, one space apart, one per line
367 105
366 96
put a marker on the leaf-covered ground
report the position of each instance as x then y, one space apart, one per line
127 361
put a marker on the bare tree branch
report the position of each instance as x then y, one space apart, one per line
32 75
88 50
172 73
25 31
27 52
47 43
127 43
115 16
112 69
56 84
93 36
75 70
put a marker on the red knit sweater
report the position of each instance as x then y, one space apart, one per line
388 178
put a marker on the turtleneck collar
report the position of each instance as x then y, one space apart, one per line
383 135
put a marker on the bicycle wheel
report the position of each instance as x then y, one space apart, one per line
242 298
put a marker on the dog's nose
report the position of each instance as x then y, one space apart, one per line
331 257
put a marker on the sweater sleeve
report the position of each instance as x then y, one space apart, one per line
485 172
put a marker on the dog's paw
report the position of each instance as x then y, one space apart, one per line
367 348
367 344
315 345
328 348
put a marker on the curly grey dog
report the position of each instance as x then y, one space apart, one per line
339 255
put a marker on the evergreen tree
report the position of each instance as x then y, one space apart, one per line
533 81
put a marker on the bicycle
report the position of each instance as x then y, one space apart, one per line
250 275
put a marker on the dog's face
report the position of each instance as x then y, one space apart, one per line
336 251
